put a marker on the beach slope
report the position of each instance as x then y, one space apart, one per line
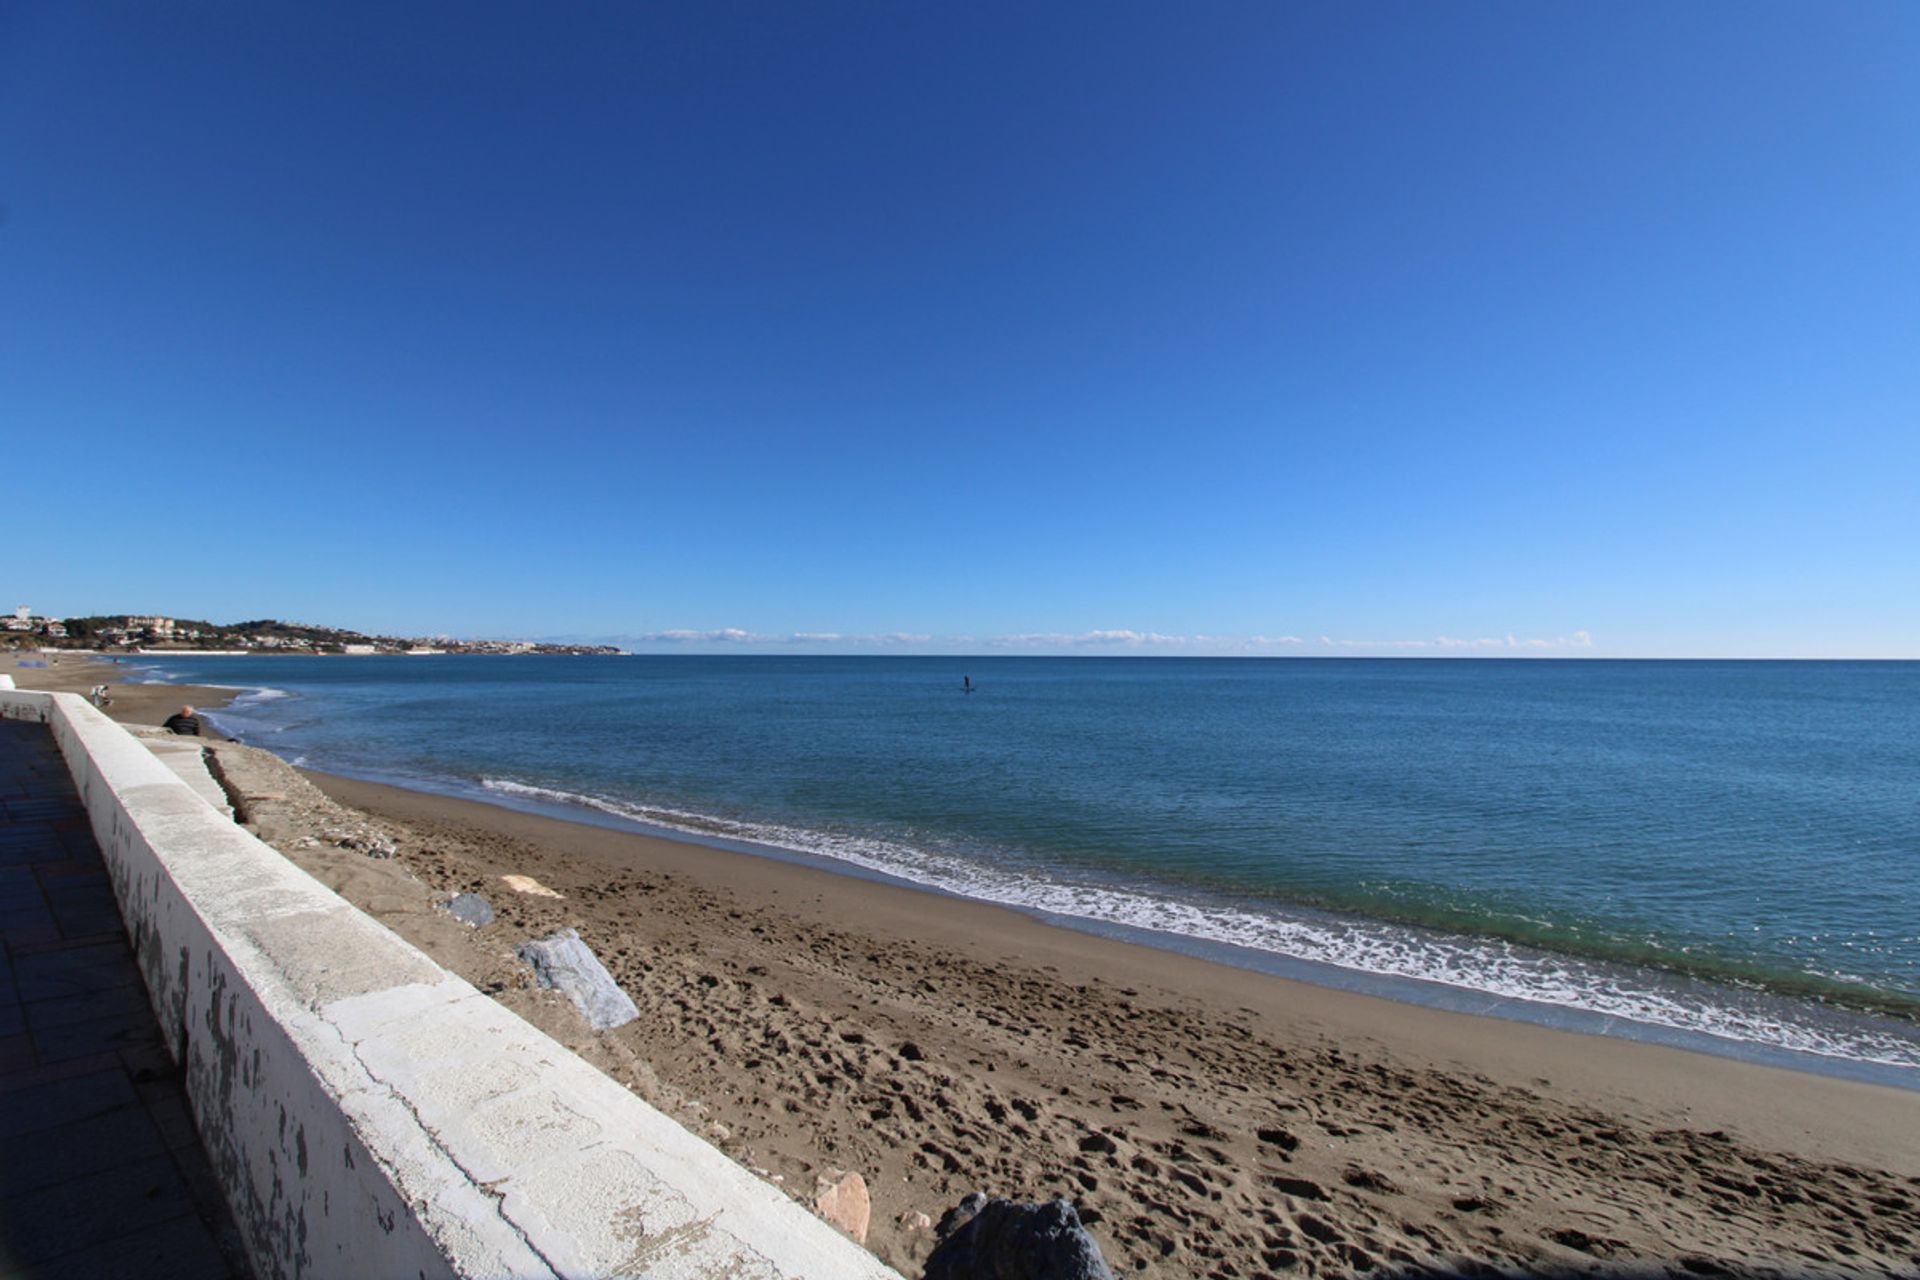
1208 1120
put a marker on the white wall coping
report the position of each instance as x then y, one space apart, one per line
369 1113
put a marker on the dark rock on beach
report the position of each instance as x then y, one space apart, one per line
982 1239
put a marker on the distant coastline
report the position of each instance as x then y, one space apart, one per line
124 634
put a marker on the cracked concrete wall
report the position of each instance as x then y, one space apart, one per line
371 1114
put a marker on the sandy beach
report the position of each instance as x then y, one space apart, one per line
71 672
1208 1121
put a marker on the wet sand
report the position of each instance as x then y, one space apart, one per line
1207 1120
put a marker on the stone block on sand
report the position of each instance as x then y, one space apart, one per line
470 908
984 1239
562 962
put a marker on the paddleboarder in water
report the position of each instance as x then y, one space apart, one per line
966 684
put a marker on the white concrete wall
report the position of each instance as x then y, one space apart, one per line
372 1115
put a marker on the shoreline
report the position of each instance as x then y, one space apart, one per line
150 703
1509 1051
1203 1116
810 1022
1418 992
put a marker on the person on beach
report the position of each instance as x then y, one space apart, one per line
183 721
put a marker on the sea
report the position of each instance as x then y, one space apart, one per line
1723 856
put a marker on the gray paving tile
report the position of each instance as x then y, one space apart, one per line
63 960
25 826
19 939
87 921
55 1072
73 891
116 937
18 913
79 842
179 1249
96 1035
84 869
31 810
129 1002
83 1147
41 1107
47 1222
44 975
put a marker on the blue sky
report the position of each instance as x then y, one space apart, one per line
1585 328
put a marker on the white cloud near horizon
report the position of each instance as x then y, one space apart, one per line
1128 639
725 635
1577 640
1117 639
735 635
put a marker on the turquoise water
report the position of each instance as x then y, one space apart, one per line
1725 854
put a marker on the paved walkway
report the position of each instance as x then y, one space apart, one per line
102 1173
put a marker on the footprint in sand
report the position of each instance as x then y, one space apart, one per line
1300 1188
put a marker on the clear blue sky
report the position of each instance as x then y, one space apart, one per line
1594 325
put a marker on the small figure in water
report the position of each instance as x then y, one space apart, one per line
966 684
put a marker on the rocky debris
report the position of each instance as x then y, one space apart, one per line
561 962
527 884
272 798
470 908
843 1201
982 1239
374 846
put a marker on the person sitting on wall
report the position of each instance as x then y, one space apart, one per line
182 721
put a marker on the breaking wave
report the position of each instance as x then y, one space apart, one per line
1493 967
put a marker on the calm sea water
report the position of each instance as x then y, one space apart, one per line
1726 854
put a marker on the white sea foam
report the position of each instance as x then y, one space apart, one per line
1491 966
255 697
250 712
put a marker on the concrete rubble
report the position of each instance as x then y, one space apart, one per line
843 1201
